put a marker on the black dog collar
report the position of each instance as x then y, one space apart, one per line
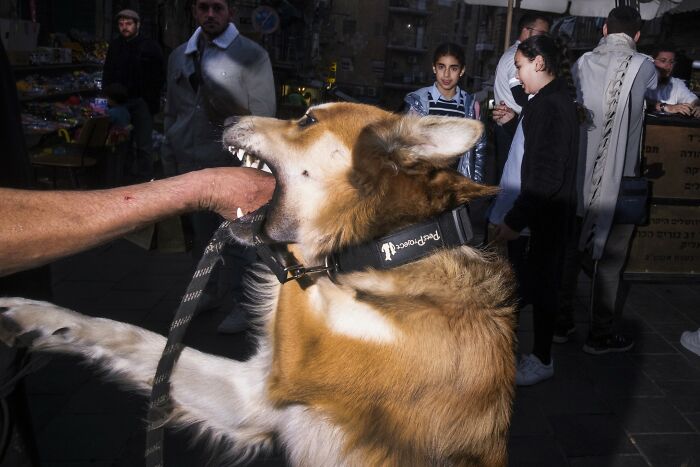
449 229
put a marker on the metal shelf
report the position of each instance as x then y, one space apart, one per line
58 95
28 69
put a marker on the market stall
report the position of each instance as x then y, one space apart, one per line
59 89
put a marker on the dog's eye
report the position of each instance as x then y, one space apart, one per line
307 120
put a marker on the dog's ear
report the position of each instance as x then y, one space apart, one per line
439 138
410 144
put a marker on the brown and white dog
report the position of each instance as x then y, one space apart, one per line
410 366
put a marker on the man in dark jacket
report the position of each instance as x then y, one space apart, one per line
137 63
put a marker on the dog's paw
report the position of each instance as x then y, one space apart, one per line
31 323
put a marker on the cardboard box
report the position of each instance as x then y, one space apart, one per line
670 244
672 161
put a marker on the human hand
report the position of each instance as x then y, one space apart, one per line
228 189
502 114
696 111
504 233
683 109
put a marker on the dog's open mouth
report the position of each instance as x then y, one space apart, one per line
249 160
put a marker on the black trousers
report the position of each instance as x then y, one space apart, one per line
609 290
518 251
545 265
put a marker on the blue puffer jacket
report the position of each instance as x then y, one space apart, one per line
472 162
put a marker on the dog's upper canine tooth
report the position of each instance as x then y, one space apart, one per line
239 213
240 153
265 168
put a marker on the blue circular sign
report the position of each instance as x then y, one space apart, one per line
265 19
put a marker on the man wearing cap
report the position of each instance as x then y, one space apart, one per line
216 74
137 63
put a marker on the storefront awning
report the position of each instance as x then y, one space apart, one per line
595 8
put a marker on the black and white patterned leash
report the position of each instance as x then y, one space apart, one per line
160 407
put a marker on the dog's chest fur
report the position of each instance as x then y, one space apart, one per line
362 355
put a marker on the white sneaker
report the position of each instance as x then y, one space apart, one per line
691 341
531 371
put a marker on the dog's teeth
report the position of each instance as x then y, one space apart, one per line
232 149
247 160
265 168
257 164
239 213
240 154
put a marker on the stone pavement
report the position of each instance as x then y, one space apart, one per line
640 408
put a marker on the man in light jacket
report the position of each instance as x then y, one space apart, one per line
216 74
611 82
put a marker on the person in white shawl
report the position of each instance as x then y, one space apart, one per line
611 82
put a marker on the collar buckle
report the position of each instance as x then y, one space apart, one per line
297 271
284 274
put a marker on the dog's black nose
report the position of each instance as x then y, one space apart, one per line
230 121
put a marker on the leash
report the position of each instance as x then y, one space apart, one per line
160 404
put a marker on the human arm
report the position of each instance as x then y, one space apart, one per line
501 232
519 94
41 226
689 98
505 79
687 102
683 109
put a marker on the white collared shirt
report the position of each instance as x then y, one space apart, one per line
673 92
505 79
222 41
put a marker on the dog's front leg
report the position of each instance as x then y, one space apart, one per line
224 397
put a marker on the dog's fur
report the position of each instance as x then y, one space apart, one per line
411 366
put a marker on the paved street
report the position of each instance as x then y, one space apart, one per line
640 408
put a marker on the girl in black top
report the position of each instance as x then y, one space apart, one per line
547 200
